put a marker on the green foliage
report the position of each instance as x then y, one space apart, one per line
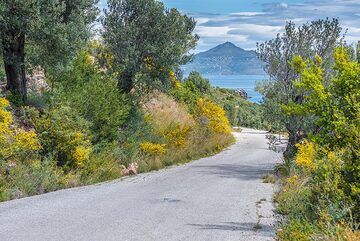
335 104
103 165
197 84
318 37
52 37
337 107
41 32
193 88
147 42
240 111
63 134
327 168
296 230
94 94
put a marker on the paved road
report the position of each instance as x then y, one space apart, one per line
221 198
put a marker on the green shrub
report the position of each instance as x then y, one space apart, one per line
328 163
295 199
103 165
296 230
95 96
63 134
33 178
196 83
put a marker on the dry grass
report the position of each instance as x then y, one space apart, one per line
163 111
164 114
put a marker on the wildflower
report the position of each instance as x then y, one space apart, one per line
153 149
306 155
80 154
215 115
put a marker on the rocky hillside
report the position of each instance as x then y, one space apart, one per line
226 59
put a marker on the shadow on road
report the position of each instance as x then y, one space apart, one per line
264 230
243 172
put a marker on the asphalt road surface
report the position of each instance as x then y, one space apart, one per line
220 198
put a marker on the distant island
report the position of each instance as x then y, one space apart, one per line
226 59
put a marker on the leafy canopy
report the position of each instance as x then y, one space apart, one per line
317 38
53 30
147 41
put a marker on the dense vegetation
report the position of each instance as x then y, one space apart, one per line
41 32
316 38
315 94
103 108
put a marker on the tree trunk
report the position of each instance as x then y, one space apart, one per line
14 63
294 138
126 82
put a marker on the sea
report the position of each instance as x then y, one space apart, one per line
245 82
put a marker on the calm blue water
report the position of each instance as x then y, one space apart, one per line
246 82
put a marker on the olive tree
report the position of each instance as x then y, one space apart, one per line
147 42
318 37
41 32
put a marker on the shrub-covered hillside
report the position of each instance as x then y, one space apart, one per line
78 107
83 130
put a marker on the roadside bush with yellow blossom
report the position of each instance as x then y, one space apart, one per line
178 136
152 148
328 163
16 144
65 135
212 116
316 192
306 155
174 136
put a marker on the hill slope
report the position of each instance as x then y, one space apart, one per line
226 59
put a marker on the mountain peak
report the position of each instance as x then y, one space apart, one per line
228 44
226 59
227 48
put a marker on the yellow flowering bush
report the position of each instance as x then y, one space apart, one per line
81 154
305 156
153 149
15 143
329 164
213 116
64 134
178 136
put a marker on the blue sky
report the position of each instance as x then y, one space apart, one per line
246 22
219 6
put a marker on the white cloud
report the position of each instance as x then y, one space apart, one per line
247 13
247 28
283 5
